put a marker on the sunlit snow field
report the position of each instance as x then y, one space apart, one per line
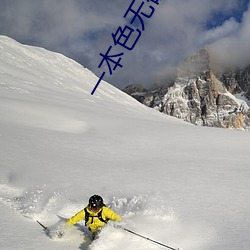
182 185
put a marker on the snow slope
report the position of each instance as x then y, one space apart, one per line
179 184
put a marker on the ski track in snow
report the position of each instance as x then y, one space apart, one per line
145 214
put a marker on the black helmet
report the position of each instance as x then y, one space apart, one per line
96 202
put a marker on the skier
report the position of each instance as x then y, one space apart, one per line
95 214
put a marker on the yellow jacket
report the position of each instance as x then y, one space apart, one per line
94 223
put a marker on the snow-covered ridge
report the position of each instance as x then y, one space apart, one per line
35 68
33 74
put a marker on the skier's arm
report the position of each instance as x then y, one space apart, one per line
110 214
77 217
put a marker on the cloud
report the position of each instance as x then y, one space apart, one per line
233 49
81 29
50 21
228 28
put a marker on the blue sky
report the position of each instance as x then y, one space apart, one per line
218 17
81 29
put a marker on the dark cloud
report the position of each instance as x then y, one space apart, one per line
81 29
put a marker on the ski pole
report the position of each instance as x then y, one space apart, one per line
146 238
45 228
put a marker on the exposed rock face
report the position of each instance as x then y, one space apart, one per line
199 97
237 81
134 88
137 91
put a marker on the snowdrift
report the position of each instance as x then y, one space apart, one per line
182 185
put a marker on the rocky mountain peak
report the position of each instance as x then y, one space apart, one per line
200 96
196 64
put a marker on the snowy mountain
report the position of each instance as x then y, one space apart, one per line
182 185
201 95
